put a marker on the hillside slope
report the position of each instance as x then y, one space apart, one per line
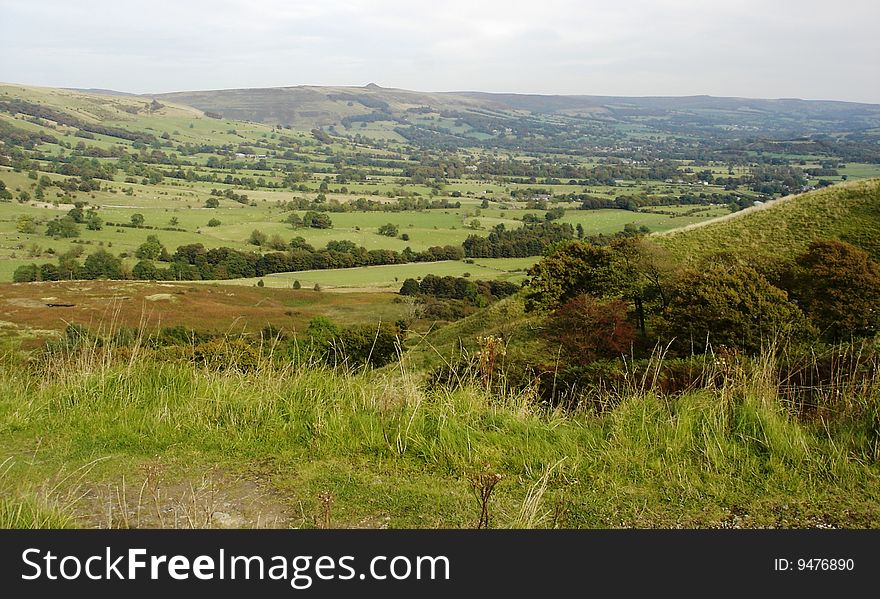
849 211
468 118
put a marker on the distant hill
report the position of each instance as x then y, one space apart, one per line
523 120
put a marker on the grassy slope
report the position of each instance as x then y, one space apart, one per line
150 443
848 211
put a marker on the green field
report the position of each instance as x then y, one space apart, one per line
392 276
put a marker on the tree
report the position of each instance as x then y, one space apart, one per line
257 238
173 221
77 214
590 329
49 272
573 269
317 220
727 303
25 224
838 286
145 270
68 264
27 273
276 242
93 221
137 219
214 223
294 220
64 227
102 265
297 284
212 202
410 287
389 230
151 249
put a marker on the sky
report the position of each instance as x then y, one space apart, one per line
750 48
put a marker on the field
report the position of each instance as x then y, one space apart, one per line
102 305
166 158
391 277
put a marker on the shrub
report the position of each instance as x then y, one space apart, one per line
838 286
729 304
589 329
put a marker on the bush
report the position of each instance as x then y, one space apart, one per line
26 273
838 286
590 329
732 305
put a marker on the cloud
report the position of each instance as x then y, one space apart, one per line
642 47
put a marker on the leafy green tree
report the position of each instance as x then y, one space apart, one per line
409 287
93 221
64 227
137 219
26 273
258 238
145 270
151 249
25 224
214 223
389 230
77 214
297 284
68 264
49 272
838 286
726 303
317 220
571 270
102 265
212 202
294 220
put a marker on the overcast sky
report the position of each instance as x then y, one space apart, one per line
811 49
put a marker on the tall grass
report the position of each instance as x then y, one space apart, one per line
379 442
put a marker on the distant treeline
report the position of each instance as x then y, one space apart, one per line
194 262
458 288
529 240
369 205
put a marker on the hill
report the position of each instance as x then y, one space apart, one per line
524 120
849 212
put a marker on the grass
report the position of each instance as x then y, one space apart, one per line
849 211
390 452
210 307
391 277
